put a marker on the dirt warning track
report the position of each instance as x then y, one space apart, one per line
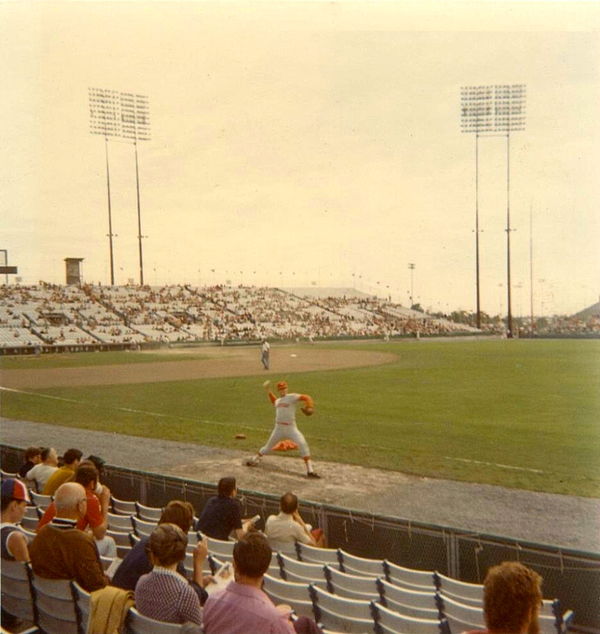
223 362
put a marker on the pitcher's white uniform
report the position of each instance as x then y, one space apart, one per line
285 422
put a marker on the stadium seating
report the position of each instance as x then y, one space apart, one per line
413 603
339 613
391 622
299 571
16 590
296 595
136 623
54 606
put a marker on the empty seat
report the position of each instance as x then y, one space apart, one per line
148 513
54 605
361 565
342 614
351 586
300 571
122 507
221 548
16 590
422 580
40 500
414 603
469 593
318 555
296 595
391 622
142 527
118 522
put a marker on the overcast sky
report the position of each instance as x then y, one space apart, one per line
306 142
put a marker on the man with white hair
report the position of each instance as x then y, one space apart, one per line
60 550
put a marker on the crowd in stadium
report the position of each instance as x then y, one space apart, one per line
69 315
163 576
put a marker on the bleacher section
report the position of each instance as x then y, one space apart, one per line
70 316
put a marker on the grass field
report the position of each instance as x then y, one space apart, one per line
521 414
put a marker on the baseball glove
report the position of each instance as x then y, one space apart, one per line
307 411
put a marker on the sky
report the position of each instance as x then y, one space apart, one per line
307 143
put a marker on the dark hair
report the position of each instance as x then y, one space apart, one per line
71 455
226 487
179 513
32 452
45 452
97 462
252 555
289 503
511 596
167 544
5 502
86 473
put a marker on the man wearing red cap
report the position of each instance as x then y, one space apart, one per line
285 425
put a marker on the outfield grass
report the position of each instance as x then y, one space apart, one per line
521 414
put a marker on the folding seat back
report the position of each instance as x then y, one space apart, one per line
142 527
361 565
118 522
461 616
122 507
342 614
414 603
54 605
392 622
413 579
123 542
8 474
312 554
82 605
300 571
296 595
351 586
41 501
221 548
136 623
467 593
16 590
148 513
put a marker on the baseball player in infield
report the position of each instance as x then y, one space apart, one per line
285 425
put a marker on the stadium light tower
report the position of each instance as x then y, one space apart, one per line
411 266
494 110
124 117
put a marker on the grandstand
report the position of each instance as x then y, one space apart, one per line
51 317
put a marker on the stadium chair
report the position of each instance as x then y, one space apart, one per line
341 614
29 534
410 578
148 513
122 541
31 518
391 622
54 606
136 623
133 539
413 603
467 593
296 595
351 586
311 554
361 565
117 522
141 527
122 507
16 590
300 571
41 501
221 548
7 474
82 605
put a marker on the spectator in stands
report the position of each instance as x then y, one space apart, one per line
222 513
512 597
288 527
33 456
60 550
12 540
242 606
163 594
96 515
40 473
137 561
66 473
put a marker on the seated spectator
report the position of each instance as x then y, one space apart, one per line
60 550
14 501
222 513
137 561
33 456
96 515
242 606
40 473
511 599
63 474
163 594
288 526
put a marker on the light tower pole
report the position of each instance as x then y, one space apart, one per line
124 117
494 110
411 266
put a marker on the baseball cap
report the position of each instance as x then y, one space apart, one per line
282 385
14 490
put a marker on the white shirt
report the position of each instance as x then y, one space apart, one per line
41 474
281 531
